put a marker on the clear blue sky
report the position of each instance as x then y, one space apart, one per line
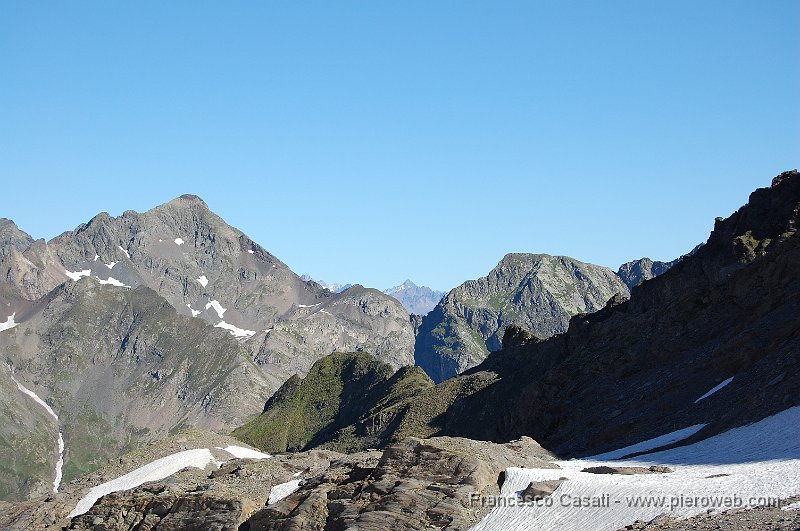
377 141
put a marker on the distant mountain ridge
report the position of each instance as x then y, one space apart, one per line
333 288
418 300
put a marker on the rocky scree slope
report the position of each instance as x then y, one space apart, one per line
724 320
538 292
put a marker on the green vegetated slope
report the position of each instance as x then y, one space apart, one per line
337 405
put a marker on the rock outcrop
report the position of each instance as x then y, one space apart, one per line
416 484
413 484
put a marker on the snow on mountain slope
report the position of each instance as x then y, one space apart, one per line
283 490
749 466
60 462
9 324
160 469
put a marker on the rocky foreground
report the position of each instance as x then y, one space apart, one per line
414 484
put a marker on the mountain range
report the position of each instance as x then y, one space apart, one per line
134 345
711 343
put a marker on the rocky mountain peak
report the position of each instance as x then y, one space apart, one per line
11 237
193 198
538 292
418 300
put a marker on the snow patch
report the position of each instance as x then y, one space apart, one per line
179 241
78 274
325 311
250 251
124 251
111 265
279 492
238 333
96 257
217 308
240 452
195 313
743 467
9 324
113 282
650 444
59 464
792 507
35 397
203 280
715 389
154 471
308 305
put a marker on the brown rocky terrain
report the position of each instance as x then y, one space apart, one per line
414 484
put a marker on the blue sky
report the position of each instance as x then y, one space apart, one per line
377 141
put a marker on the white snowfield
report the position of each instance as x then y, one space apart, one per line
195 313
250 251
715 389
154 471
113 282
38 400
217 308
77 274
179 241
308 305
279 492
651 444
111 265
160 469
750 466
238 333
203 280
240 452
124 251
9 324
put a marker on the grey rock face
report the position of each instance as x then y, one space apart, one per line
12 238
418 300
637 271
535 291
358 319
